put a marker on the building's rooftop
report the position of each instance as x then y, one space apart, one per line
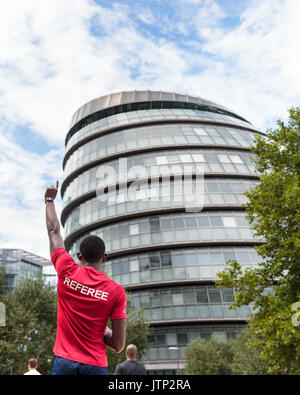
126 97
14 255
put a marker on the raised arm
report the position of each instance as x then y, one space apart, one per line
52 221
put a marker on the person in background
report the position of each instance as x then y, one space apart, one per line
32 368
87 298
131 366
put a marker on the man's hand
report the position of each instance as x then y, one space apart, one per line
52 191
107 335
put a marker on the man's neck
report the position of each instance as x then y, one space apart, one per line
96 266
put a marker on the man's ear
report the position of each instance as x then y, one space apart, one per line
79 256
105 257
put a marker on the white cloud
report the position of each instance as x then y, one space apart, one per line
52 63
22 184
146 16
55 64
263 55
208 17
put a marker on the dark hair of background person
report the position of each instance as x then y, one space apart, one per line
33 363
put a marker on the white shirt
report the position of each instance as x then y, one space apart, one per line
32 372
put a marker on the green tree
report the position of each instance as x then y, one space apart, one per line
2 291
2 282
30 328
246 357
273 212
234 356
208 357
137 332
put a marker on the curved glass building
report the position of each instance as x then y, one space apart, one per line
165 254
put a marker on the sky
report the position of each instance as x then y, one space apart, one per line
56 55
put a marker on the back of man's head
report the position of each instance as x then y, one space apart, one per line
92 249
33 363
131 351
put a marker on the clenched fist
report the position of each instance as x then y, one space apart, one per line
51 192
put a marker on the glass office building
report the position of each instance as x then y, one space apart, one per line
18 263
166 255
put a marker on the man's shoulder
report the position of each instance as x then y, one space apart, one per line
58 252
133 366
124 363
117 288
62 261
120 367
61 255
133 362
121 364
32 373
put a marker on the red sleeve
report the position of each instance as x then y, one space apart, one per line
120 305
62 261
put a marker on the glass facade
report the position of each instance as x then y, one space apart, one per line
188 304
226 194
161 106
18 264
168 344
213 161
195 162
166 256
172 228
180 264
134 118
158 136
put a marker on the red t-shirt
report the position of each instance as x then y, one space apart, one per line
86 300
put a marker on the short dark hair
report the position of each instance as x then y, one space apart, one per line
33 363
92 248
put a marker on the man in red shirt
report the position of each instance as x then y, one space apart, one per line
87 298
